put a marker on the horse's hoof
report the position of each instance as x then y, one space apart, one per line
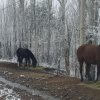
81 80
34 66
95 81
89 79
86 76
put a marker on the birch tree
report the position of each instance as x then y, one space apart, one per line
22 19
66 48
14 27
36 41
33 26
49 2
82 6
32 22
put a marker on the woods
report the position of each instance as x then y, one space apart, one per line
51 29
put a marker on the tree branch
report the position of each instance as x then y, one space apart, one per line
60 2
65 2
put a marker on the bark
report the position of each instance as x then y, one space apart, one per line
82 4
22 17
14 27
65 35
49 29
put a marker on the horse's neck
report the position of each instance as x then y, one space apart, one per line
32 57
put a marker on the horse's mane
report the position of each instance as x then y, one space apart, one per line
31 54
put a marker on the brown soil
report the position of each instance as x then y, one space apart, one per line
62 87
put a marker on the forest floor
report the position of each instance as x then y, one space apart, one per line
59 87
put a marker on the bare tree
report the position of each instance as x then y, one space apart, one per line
22 19
82 6
66 48
14 26
49 2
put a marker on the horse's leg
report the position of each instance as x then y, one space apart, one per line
29 62
88 71
26 61
98 71
81 68
19 60
18 63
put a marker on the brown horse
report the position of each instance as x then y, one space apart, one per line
90 54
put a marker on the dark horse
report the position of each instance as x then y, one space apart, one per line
90 54
27 54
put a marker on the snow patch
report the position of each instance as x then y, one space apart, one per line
13 60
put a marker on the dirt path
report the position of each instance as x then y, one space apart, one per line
62 87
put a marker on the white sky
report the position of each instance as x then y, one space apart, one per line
1 3
55 2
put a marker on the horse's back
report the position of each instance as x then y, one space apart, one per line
87 53
28 52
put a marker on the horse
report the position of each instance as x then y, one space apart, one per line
27 54
89 54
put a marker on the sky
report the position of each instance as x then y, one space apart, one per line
1 3
55 3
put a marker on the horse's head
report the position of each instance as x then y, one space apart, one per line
34 63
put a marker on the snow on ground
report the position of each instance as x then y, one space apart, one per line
53 65
13 60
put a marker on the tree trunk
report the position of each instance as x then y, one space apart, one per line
49 30
82 20
22 22
65 35
14 28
